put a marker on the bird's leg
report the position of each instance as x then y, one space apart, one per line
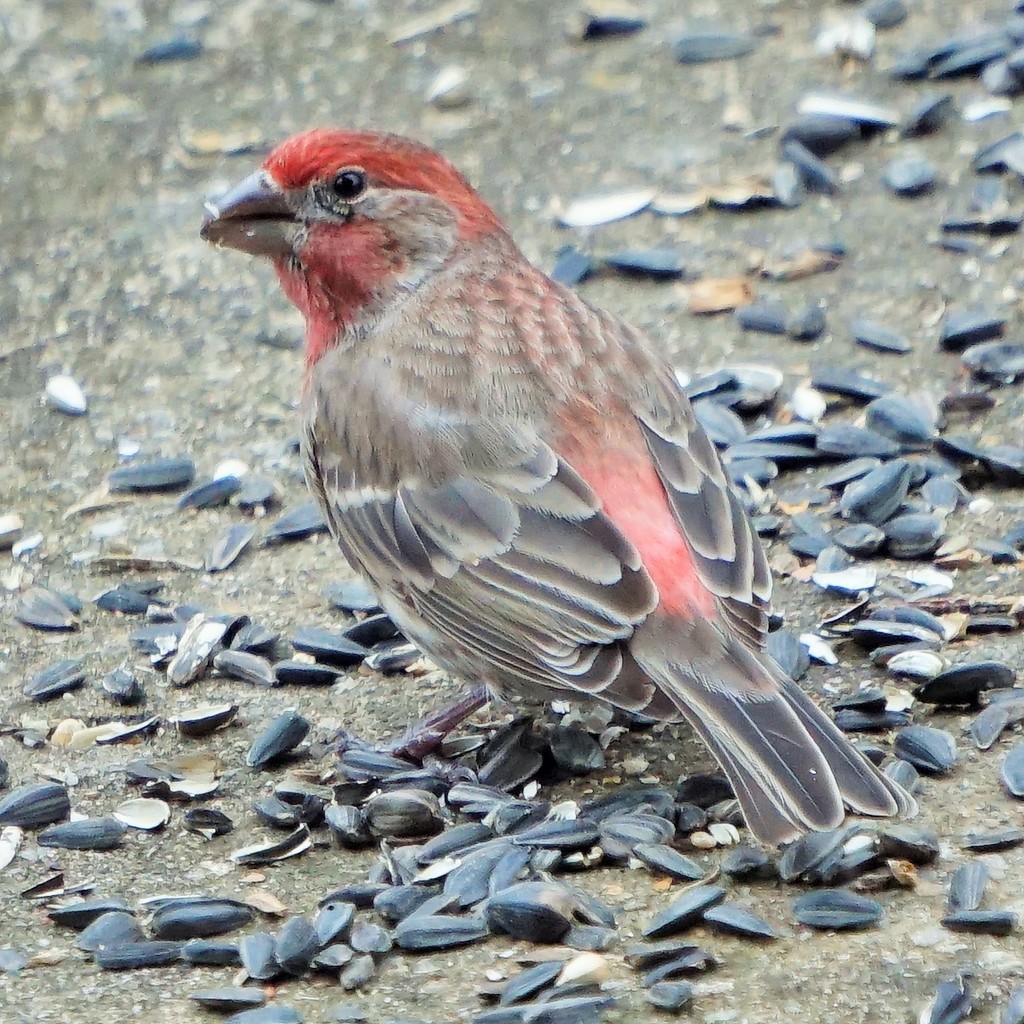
426 735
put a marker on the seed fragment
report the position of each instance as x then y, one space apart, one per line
65 394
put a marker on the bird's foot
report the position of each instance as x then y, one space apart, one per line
426 736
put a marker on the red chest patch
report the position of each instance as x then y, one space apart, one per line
634 498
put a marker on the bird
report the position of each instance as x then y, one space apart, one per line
519 475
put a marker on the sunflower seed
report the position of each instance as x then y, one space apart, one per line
256 952
836 910
807 324
114 928
130 956
915 664
227 999
228 546
1012 771
249 668
932 751
82 913
667 861
962 684
684 912
999 715
910 176
656 263
327 646
204 720
861 112
35 805
529 983
154 476
332 958
178 49
961 330
353 596
43 609
212 494
672 996
951 1003
403 814
278 738
699 47
875 497
981 922
884 14
914 535
763 317
439 931
84 834
296 945
534 911
998 362
847 441
60 678
928 114
737 920
815 174
912 422
967 886
992 842
879 337
1014 1011
822 132
297 524
199 918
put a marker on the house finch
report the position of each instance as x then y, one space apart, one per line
519 475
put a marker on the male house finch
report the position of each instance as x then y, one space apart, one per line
519 475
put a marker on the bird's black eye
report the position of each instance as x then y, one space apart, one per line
348 185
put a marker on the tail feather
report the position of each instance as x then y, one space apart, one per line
864 792
791 768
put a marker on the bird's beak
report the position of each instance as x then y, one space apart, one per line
253 217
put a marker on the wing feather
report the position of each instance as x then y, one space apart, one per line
727 552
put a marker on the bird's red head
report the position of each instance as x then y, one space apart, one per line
351 221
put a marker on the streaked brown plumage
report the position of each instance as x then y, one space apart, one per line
519 475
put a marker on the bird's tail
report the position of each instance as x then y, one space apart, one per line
792 770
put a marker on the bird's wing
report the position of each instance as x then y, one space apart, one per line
729 557
511 569
791 767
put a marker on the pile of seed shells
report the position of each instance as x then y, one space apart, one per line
843 468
